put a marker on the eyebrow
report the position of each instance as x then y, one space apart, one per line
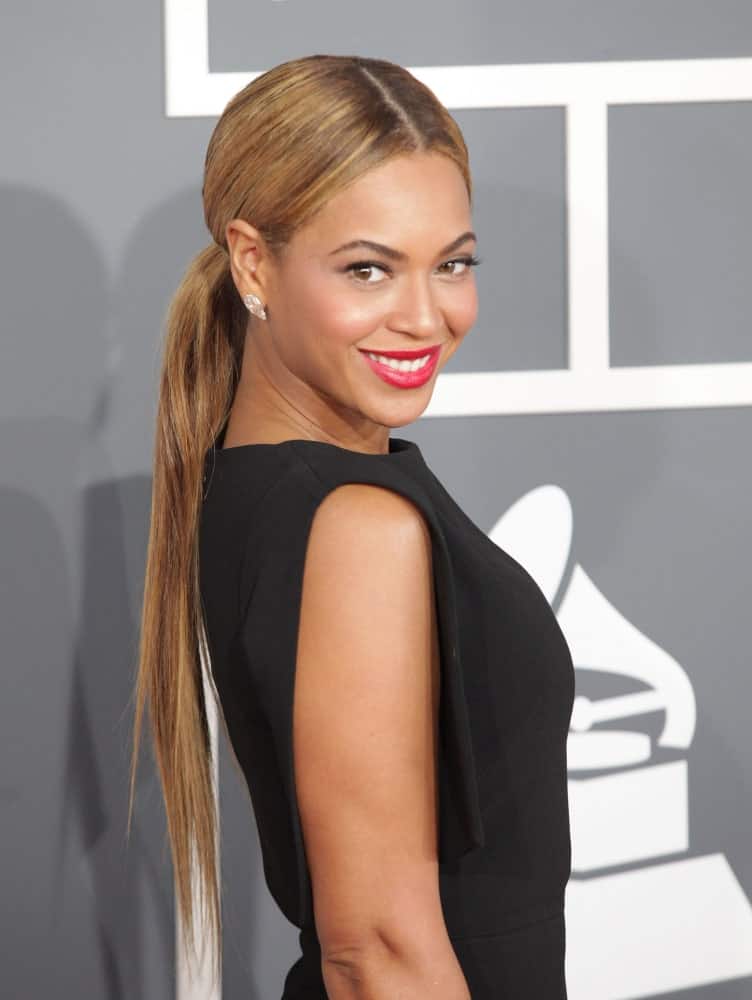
398 254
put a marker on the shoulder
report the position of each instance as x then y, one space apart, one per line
343 496
367 542
333 513
367 513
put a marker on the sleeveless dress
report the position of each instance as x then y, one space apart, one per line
507 689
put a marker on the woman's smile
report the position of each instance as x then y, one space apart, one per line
404 369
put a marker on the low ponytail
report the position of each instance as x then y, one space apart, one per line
201 362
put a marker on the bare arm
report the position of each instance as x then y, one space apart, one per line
365 744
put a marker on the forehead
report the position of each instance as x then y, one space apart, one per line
423 194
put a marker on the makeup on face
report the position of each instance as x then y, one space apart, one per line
404 369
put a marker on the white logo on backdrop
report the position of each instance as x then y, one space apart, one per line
642 917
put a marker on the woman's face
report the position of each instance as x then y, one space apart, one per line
329 304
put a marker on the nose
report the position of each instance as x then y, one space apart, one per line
417 311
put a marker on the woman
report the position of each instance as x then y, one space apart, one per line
395 687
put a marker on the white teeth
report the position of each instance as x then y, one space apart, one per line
400 366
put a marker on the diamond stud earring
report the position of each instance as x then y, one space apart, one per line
254 305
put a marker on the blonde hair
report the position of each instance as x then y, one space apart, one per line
284 145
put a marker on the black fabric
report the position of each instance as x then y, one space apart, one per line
506 699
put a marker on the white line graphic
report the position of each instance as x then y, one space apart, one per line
585 90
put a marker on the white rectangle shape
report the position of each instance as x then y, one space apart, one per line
630 816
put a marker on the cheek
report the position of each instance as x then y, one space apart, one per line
339 315
462 310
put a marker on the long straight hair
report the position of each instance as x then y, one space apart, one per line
283 146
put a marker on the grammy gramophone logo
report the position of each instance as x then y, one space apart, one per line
644 916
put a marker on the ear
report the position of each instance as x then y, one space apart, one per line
249 257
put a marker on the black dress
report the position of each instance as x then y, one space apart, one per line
507 690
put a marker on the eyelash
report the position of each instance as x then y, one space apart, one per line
361 265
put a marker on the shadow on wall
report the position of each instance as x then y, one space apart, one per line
84 913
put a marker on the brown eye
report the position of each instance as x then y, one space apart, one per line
365 265
469 262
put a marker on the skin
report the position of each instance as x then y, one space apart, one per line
303 375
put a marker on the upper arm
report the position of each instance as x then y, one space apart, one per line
365 710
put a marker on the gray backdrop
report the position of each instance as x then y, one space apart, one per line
100 211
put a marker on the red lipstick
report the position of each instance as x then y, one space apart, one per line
405 380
